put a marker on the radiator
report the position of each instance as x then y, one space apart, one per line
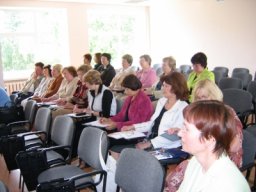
14 85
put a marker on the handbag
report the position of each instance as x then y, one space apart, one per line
11 113
58 185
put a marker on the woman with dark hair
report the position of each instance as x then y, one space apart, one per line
97 60
168 113
200 71
208 134
137 107
106 70
87 59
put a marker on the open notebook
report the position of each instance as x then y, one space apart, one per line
127 135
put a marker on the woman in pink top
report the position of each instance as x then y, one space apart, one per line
146 75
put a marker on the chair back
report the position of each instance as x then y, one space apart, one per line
252 89
226 83
249 149
63 130
245 77
93 147
218 75
30 111
43 120
156 66
3 187
223 70
185 69
138 171
119 104
241 101
240 70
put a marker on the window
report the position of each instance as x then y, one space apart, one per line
30 35
118 31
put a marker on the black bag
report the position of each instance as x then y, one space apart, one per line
58 185
9 147
11 113
31 164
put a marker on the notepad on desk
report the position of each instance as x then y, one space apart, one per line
127 135
78 115
171 137
96 124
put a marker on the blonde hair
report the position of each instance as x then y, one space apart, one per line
210 88
92 77
58 67
171 62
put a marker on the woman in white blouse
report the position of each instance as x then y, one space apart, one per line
168 113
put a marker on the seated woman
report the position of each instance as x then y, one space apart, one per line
200 71
67 87
208 134
168 114
79 97
146 75
54 85
208 90
168 66
101 102
42 87
122 73
137 107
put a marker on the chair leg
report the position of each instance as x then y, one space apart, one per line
104 181
20 181
117 188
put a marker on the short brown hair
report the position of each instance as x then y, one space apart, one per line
132 82
71 70
97 56
178 83
147 58
213 119
84 68
92 77
39 64
88 56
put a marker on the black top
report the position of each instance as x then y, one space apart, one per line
107 74
154 130
106 101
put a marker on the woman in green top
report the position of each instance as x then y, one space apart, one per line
200 71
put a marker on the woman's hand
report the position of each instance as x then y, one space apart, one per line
107 121
143 145
127 128
78 110
61 101
173 131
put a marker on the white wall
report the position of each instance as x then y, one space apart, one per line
224 30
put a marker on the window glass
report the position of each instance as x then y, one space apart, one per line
31 35
118 31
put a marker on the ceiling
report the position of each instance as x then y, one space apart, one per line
105 1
